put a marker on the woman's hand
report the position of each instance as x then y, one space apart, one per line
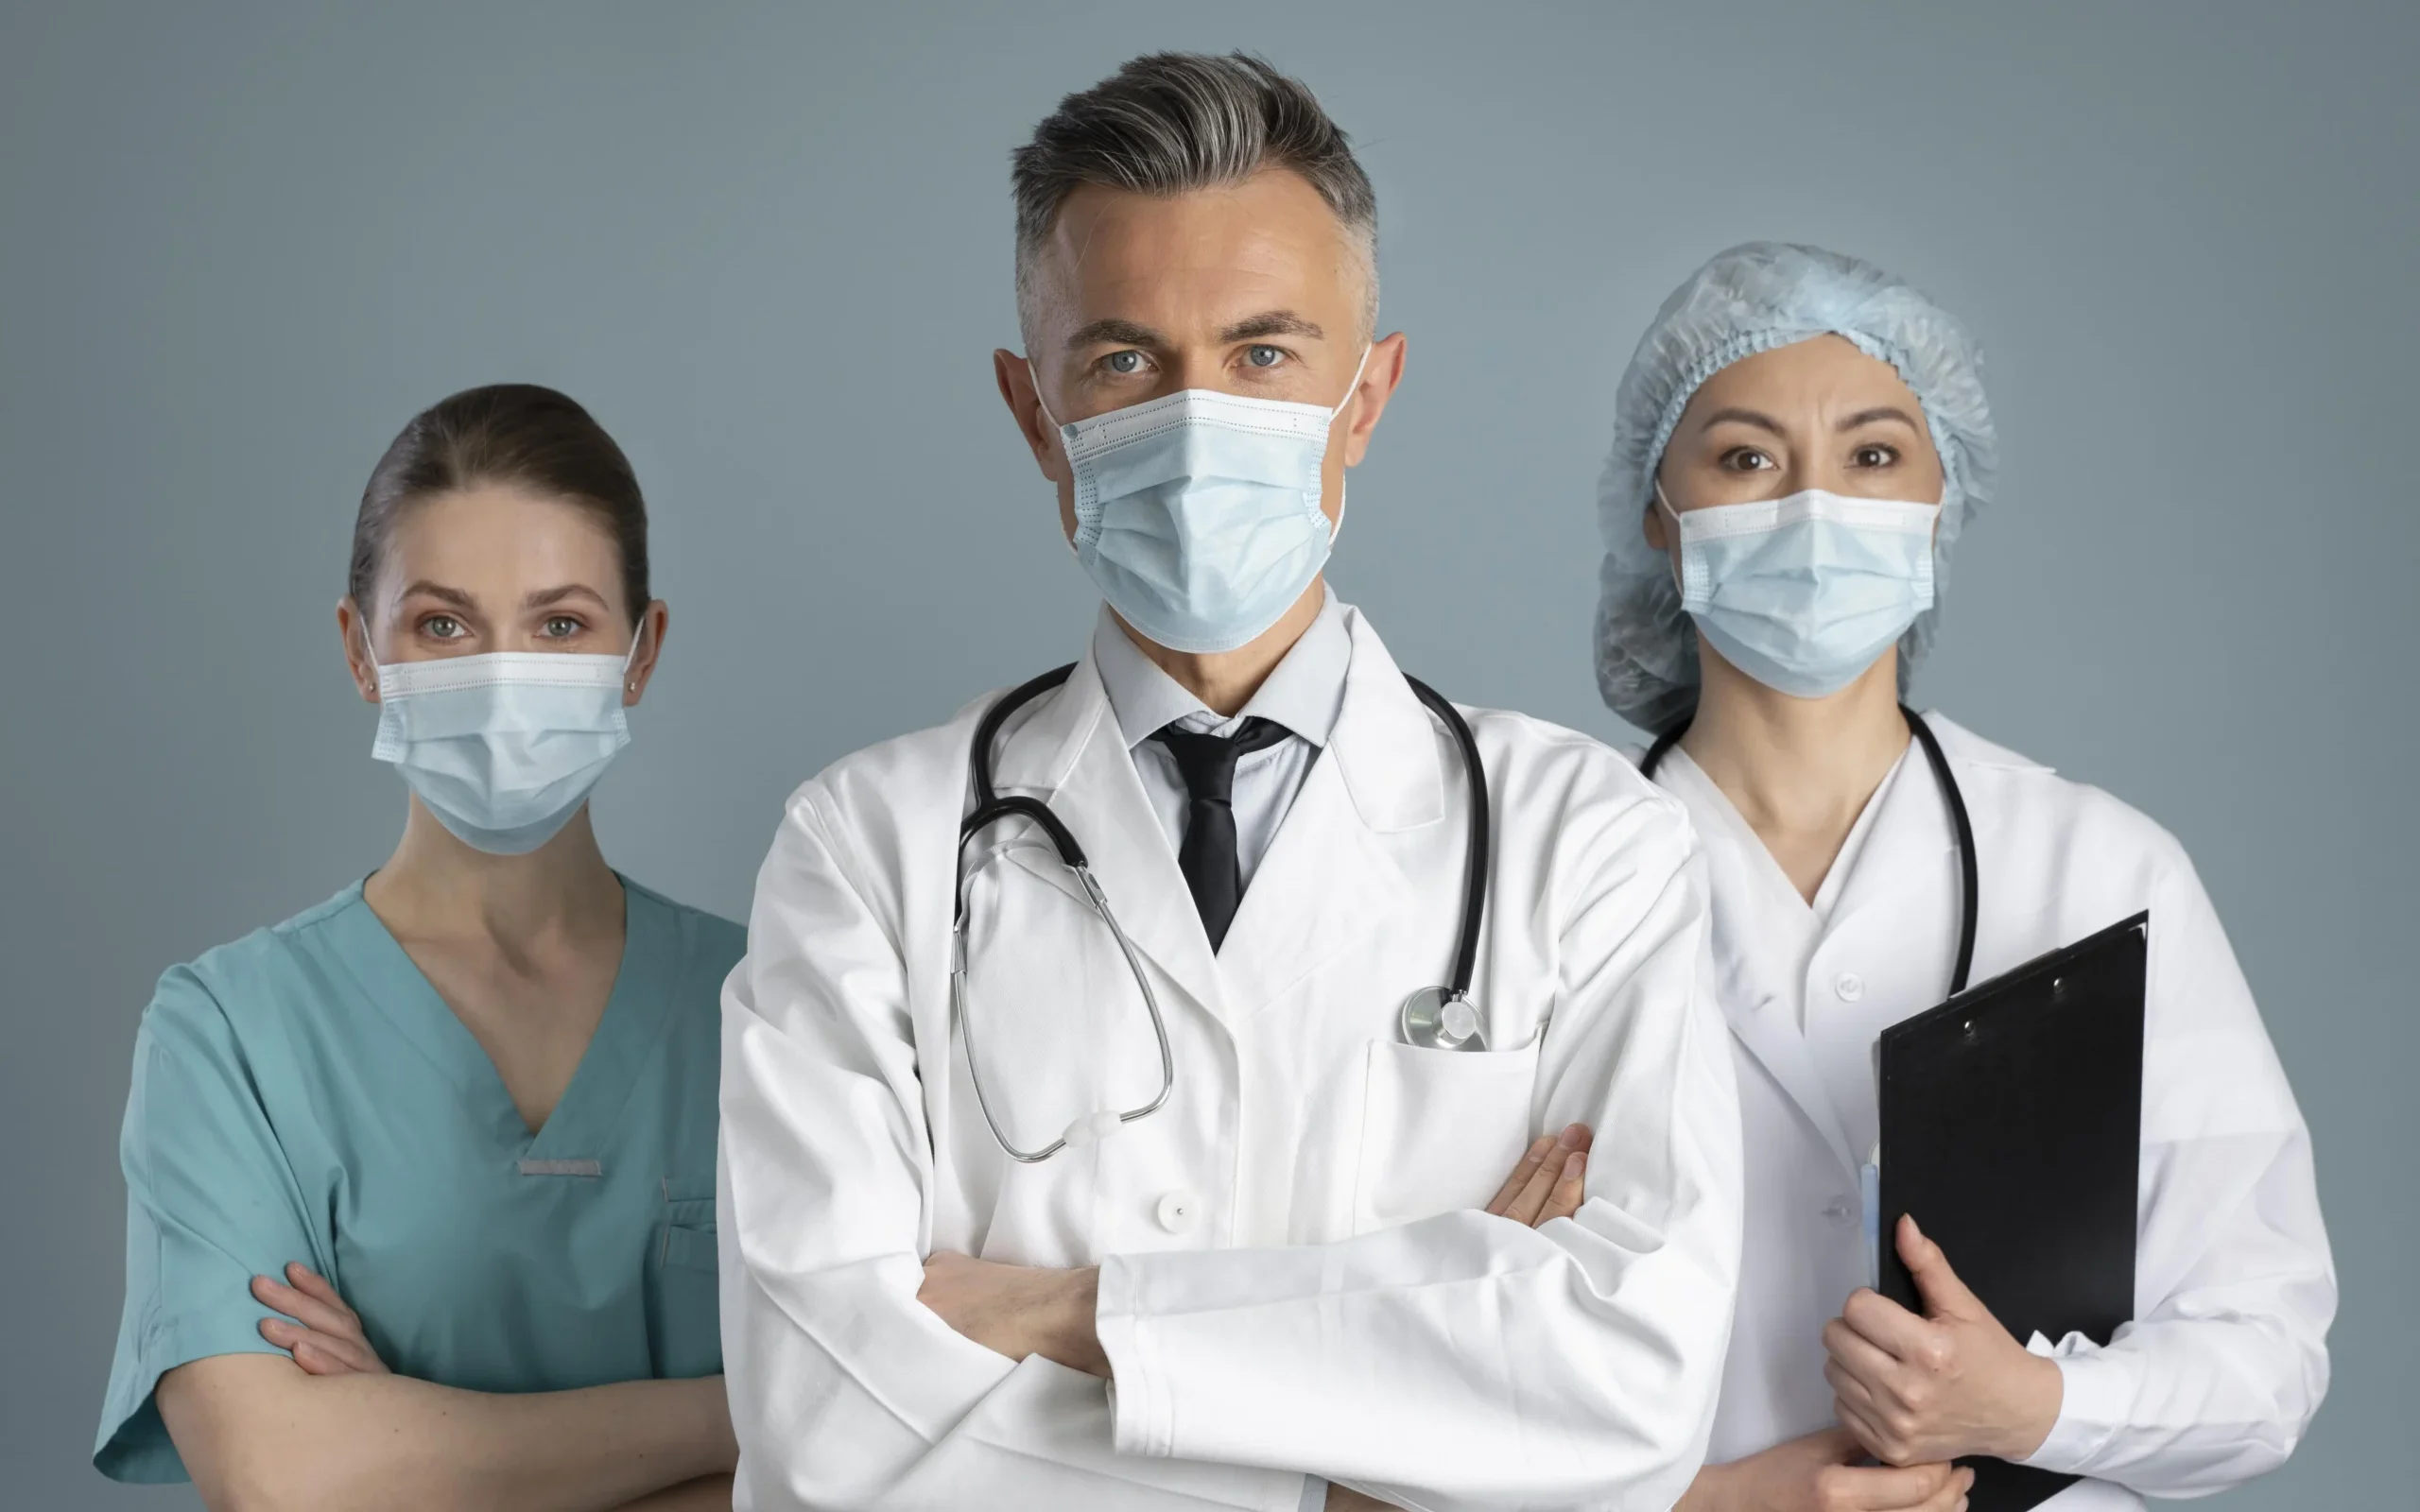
1549 1183
325 1337
1821 1473
1949 1384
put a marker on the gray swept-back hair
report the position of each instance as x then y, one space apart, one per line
1173 123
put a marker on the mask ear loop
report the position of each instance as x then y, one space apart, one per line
638 637
1344 484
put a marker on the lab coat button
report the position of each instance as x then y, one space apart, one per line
1851 986
1841 1208
1177 1212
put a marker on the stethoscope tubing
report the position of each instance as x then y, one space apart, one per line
991 807
1969 886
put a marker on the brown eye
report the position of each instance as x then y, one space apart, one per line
1874 455
1746 460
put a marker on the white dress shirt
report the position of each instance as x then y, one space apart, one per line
1302 694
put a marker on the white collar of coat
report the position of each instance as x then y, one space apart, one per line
1383 741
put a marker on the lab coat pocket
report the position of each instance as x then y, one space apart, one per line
684 1335
1441 1129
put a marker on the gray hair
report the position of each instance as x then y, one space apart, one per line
1173 123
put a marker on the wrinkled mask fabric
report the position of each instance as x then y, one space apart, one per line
1197 515
1803 593
505 747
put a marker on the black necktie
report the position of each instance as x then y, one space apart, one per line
1209 858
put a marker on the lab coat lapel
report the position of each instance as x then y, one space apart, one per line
1755 972
1328 880
1071 754
1761 1018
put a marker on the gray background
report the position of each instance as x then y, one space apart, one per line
769 246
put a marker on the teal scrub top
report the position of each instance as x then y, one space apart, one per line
303 1093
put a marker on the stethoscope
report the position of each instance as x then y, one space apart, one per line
1955 799
1436 1018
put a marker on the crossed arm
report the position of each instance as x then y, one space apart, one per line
326 1424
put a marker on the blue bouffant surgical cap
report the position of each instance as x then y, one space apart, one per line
1749 300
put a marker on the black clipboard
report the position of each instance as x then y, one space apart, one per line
2012 1127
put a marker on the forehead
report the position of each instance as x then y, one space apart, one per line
1174 261
497 540
1819 373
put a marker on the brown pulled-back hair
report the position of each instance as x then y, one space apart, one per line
519 434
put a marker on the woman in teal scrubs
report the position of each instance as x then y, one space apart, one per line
421 1181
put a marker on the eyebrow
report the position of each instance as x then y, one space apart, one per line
1124 333
439 592
1744 417
545 596
1272 323
1878 413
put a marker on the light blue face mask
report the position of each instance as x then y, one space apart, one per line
503 747
1803 593
1197 515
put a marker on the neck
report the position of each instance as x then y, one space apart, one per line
1796 767
434 886
1225 681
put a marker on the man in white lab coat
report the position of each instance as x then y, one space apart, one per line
1281 1275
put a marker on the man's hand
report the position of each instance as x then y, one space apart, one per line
1949 1384
325 1337
1821 1473
1019 1309
1549 1183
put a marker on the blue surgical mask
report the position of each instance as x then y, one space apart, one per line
503 747
1803 593
1197 515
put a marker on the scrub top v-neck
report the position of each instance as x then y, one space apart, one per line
305 1094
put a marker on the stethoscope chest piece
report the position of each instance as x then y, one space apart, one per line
1439 1018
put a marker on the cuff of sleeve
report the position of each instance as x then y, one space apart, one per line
1141 1418
2096 1392
1314 1495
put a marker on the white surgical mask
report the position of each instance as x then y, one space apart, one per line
1803 593
1197 515
503 747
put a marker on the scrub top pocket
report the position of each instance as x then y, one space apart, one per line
1439 1129
684 1332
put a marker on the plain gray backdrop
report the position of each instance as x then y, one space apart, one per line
769 246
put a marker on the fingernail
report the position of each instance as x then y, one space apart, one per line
1569 1139
1573 1165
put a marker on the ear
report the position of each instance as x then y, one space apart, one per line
1380 373
1016 379
653 622
352 629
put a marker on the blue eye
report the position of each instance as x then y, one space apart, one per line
1263 356
1125 362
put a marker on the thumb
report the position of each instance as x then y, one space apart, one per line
1944 1294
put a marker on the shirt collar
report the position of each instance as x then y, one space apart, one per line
1303 692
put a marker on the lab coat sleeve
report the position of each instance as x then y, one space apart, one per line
845 1390
2217 1377
1465 1361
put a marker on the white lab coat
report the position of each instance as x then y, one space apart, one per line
2217 1377
1295 1277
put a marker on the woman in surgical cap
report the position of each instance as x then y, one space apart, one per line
1799 443
420 1182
